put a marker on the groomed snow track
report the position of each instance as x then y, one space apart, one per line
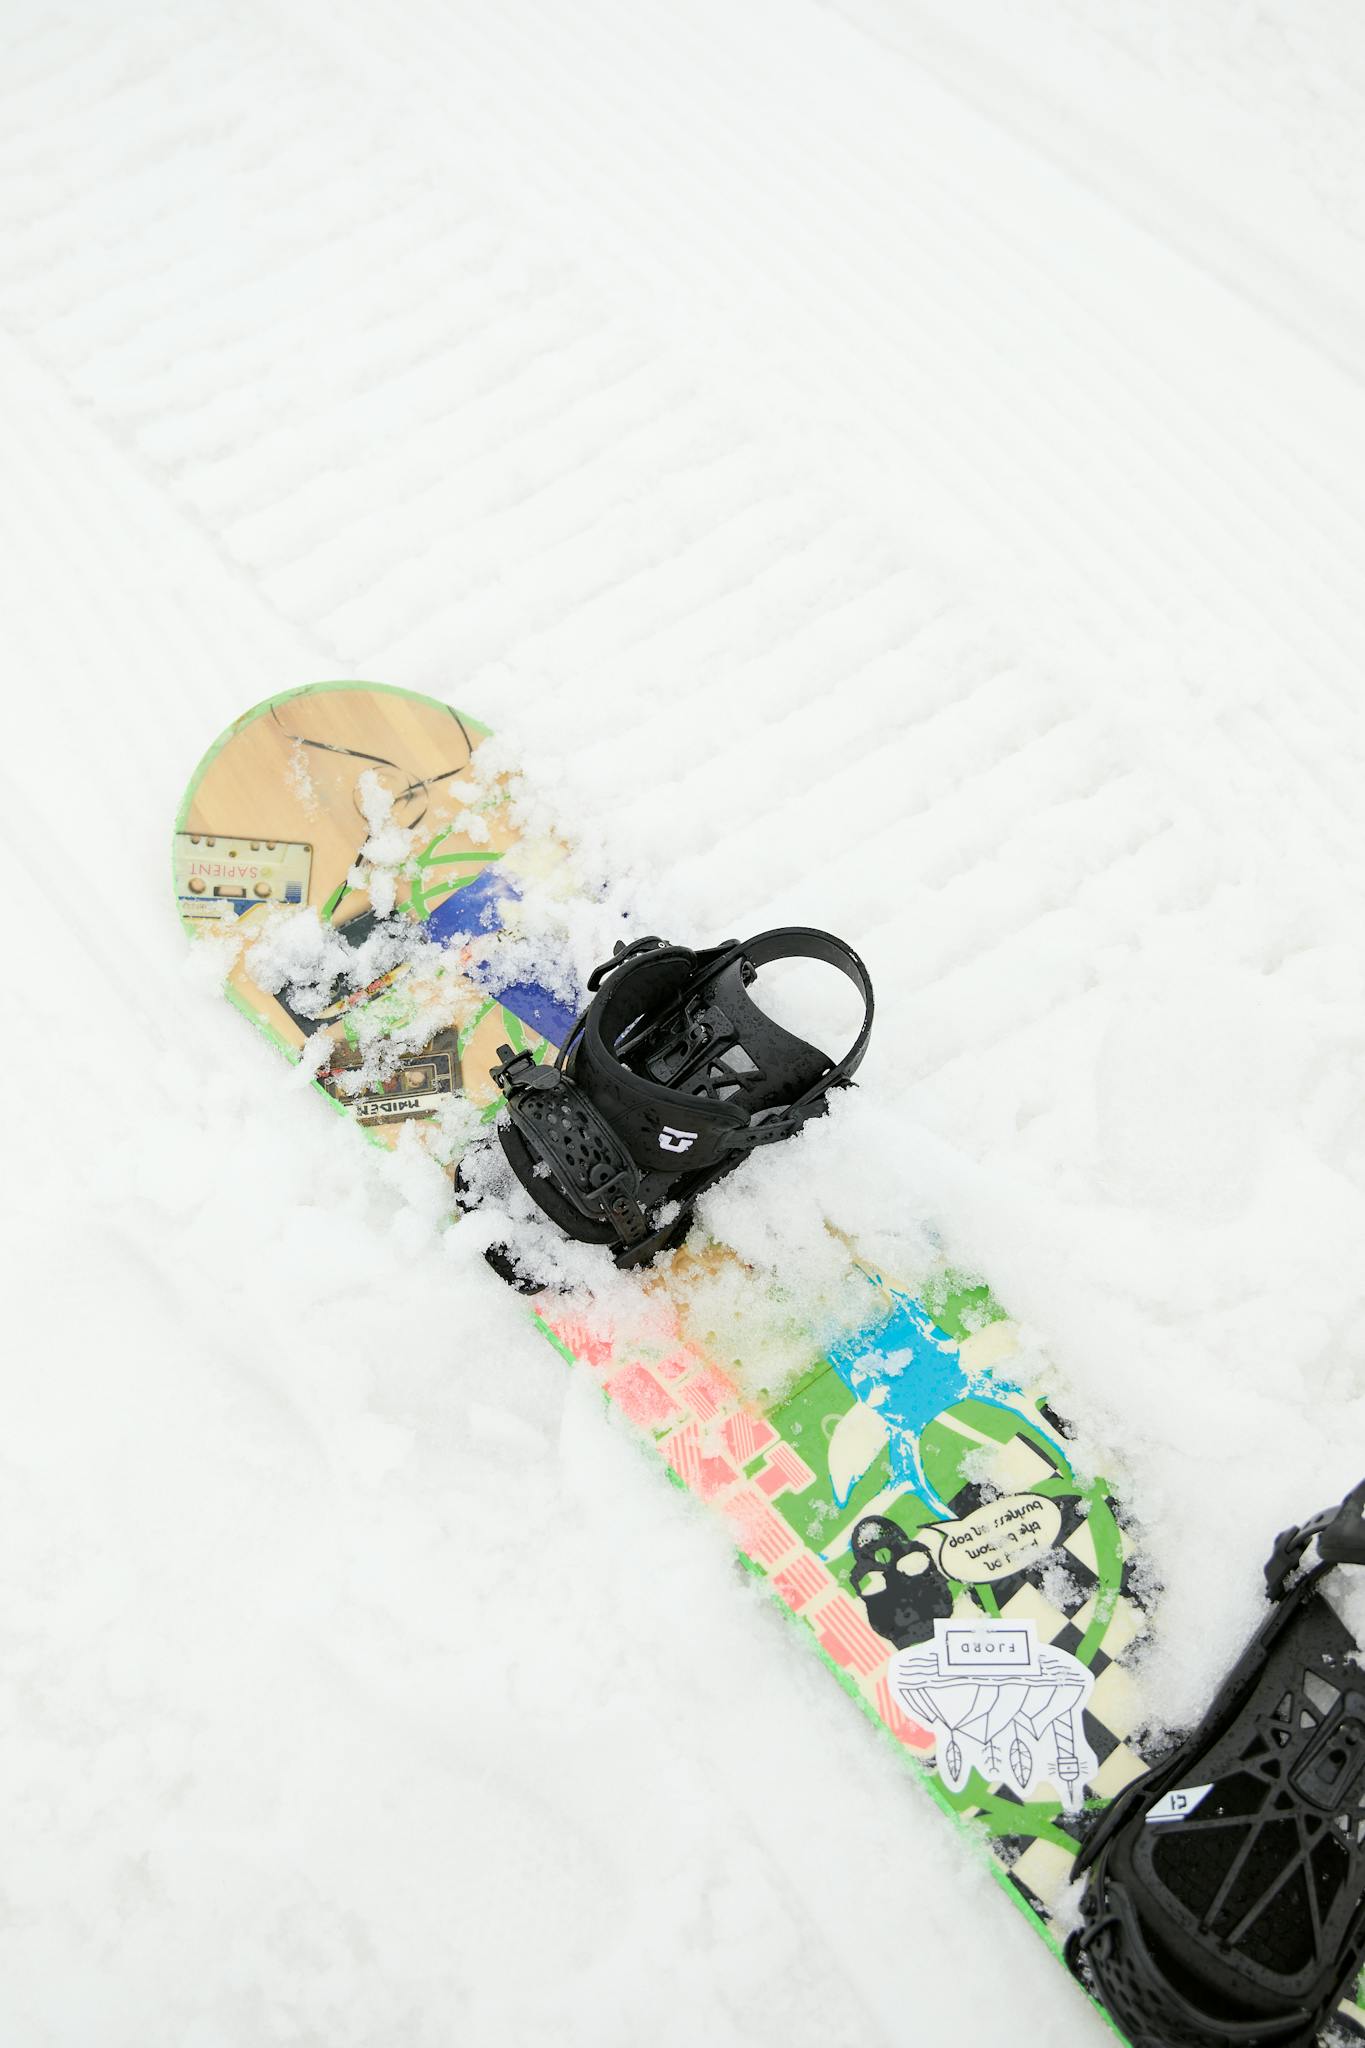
895 466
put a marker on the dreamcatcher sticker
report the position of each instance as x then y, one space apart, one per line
997 1700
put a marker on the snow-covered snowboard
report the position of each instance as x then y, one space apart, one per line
910 1498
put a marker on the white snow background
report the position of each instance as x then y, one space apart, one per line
891 464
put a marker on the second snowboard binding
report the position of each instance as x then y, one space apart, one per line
1225 1891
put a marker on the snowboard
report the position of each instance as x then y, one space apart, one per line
908 1495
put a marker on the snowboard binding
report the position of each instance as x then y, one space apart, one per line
1225 1891
667 1081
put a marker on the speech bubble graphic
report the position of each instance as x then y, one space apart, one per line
994 1540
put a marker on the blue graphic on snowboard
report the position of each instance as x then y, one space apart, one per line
473 911
908 1370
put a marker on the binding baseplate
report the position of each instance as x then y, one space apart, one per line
1225 1891
670 1078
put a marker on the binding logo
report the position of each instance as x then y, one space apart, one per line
674 1140
1176 1805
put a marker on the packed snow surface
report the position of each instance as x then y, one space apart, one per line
889 466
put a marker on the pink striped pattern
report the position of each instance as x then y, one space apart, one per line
845 1636
786 1472
762 1535
801 1582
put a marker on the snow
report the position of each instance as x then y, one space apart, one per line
890 468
